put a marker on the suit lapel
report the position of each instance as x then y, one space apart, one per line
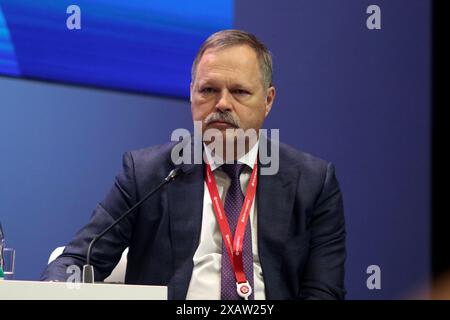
185 203
276 194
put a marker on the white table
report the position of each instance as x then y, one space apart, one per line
36 290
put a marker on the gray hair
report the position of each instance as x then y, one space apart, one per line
228 38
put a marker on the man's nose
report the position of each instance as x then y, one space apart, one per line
224 103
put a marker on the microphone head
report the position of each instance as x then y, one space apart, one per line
173 174
2 235
2 244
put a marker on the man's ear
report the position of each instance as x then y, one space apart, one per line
191 87
270 97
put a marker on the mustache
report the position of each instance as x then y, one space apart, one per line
223 117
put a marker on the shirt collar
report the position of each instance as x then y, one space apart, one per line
249 158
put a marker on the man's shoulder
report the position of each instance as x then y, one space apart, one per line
294 157
151 162
160 152
305 162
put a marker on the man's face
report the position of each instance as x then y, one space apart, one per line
228 92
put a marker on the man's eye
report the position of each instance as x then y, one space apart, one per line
241 92
206 90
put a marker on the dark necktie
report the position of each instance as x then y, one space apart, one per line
233 204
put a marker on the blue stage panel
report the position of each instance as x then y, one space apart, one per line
140 45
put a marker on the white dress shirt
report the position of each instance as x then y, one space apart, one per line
206 274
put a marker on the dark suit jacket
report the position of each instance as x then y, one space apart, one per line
301 231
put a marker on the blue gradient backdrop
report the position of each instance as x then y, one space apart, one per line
139 45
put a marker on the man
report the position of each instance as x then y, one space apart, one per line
288 242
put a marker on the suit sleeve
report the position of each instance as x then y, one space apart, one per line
107 251
324 272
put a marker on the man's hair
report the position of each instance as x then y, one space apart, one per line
228 38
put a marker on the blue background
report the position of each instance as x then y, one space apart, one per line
357 97
138 45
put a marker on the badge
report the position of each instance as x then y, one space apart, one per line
244 290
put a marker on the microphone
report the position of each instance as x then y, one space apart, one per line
2 246
88 269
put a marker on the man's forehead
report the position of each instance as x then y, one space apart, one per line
234 59
242 55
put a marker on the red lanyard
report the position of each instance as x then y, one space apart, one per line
234 249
